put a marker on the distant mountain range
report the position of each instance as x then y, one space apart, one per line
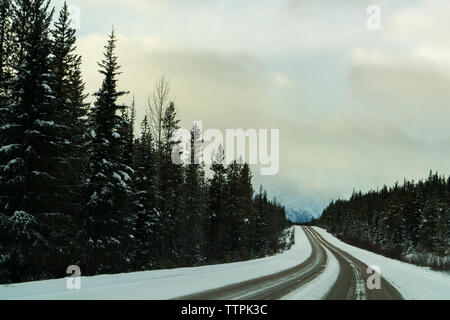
300 207
300 215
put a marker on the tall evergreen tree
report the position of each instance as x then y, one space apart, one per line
148 223
193 221
68 88
247 211
79 137
231 222
6 57
107 225
171 182
216 207
260 222
31 168
127 132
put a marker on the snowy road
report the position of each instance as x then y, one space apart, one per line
350 283
274 286
318 266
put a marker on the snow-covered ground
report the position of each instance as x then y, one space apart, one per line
162 284
412 281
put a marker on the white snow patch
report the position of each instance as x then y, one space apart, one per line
117 176
9 147
125 176
43 123
13 163
47 88
162 284
319 286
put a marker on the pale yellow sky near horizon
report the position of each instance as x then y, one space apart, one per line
356 108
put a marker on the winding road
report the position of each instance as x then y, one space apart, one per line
349 285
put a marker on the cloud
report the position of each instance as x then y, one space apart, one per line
281 79
407 88
223 90
406 76
424 22
355 108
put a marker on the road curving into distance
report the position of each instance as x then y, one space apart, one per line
350 283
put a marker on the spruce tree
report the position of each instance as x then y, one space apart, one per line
6 57
171 182
216 207
79 137
148 223
232 222
247 211
107 226
31 166
127 132
68 88
194 212
260 223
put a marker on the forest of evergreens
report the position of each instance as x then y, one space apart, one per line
79 187
410 222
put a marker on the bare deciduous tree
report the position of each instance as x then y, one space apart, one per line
157 103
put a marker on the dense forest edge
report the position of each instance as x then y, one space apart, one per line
79 187
409 222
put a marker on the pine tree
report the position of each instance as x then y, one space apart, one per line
193 242
428 222
63 48
232 222
79 107
31 164
6 57
67 80
247 211
127 132
216 207
442 241
107 224
171 181
68 89
259 223
148 224
78 125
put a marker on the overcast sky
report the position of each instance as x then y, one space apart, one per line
356 108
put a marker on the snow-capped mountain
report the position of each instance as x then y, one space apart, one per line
301 208
300 215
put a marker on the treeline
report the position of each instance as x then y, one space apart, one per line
77 187
409 222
